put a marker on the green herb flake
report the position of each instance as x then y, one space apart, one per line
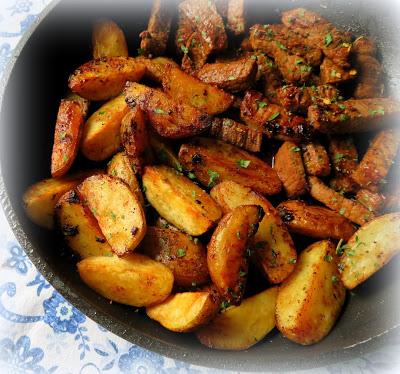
343 117
204 35
281 46
63 135
341 106
334 279
305 69
243 163
339 156
299 62
191 175
184 49
231 78
333 73
238 234
261 104
180 252
328 39
292 261
194 194
213 178
342 211
242 273
253 57
224 305
194 284
197 18
377 112
328 258
113 216
196 240
274 116
159 111
295 149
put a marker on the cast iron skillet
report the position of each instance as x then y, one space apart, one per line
35 82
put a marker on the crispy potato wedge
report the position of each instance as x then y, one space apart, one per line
101 134
290 169
104 78
310 300
182 254
350 209
184 88
40 198
156 67
117 210
316 159
79 227
226 251
179 200
273 248
164 153
240 327
121 167
186 311
168 117
344 184
108 40
370 248
314 221
214 161
134 280
135 138
67 134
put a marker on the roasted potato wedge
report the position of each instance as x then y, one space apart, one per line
181 253
170 119
135 139
67 134
226 251
104 78
157 67
316 159
79 227
108 40
179 200
185 312
134 280
310 300
164 153
214 161
184 88
120 166
101 134
314 221
369 249
273 248
40 198
117 210
240 327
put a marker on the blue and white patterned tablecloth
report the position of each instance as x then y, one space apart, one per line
42 333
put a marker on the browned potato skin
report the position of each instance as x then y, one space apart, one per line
350 209
226 251
234 76
156 67
134 280
314 221
117 210
120 166
223 159
316 159
79 227
40 198
104 78
290 169
168 117
186 259
179 200
135 138
185 312
187 89
101 134
310 300
164 153
108 40
273 249
67 134
377 161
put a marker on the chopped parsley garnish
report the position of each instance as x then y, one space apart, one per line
224 305
197 18
180 252
292 261
281 46
343 117
243 163
213 177
196 240
274 116
342 211
295 149
185 49
305 69
113 216
298 62
261 104
253 57
231 78
63 135
328 258
65 158
334 279
227 122
328 39
194 194
238 234
339 156
242 273
204 35
191 175
158 111
376 112
341 106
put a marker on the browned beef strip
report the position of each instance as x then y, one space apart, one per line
332 73
236 16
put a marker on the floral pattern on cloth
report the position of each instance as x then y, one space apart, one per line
40 332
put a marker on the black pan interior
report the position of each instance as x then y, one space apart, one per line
37 82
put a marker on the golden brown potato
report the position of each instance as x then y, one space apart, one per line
40 198
184 88
181 253
134 280
314 221
121 167
316 159
67 134
240 327
179 200
117 210
226 251
185 312
370 248
101 134
273 249
156 67
79 227
214 161
104 78
350 209
290 169
170 118
164 153
135 139
310 300
108 40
